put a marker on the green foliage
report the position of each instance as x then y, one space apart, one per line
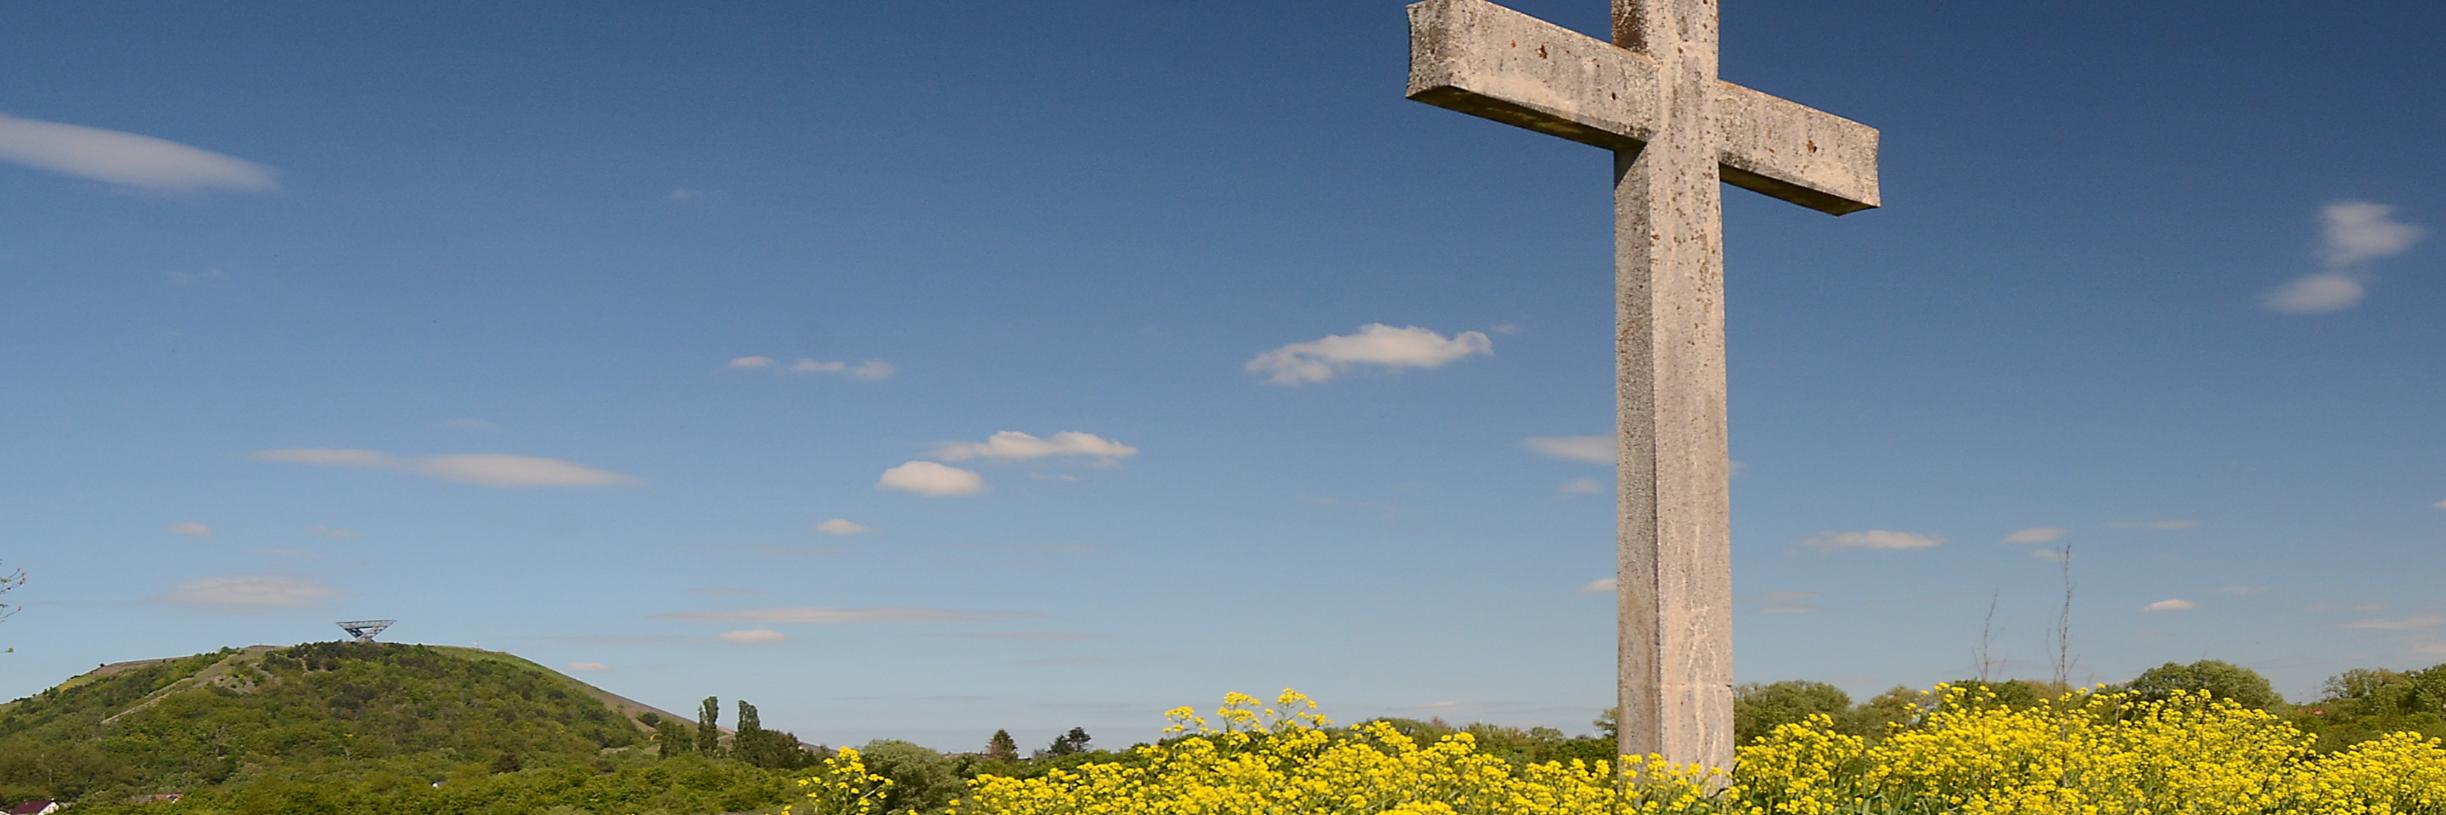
922 779
672 740
1759 709
709 727
352 728
1066 744
1001 747
2224 680
2363 704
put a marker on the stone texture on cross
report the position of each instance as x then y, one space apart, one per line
1652 97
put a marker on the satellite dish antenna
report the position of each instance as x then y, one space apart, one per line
364 630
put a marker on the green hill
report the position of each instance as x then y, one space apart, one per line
356 727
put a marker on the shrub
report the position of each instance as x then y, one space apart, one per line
1966 751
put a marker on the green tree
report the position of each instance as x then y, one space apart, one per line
673 738
2221 679
922 779
1759 709
747 741
1001 747
1071 743
709 727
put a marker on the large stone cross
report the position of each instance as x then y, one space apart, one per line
1652 97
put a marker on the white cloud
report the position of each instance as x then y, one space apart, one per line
332 533
1581 486
2169 525
2440 504
869 370
932 480
748 363
2036 534
2413 623
753 636
2168 605
513 472
841 526
1320 360
2352 233
2360 231
1789 602
126 159
1878 539
2317 294
1602 585
809 615
1590 449
500 470
588 667
192 529
1011 445
329 457
244 592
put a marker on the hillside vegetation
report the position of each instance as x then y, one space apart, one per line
355 727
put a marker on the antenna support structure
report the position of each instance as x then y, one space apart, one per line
364 630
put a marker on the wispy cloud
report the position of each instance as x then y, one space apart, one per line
498 470
1602 585
2168 605
2352 234
1589 449
726 591
335 533
931 480
2441 504
869 370
249 592
1376 344
1873 539
588 667
126 159
2052 554
192 529
1581 486
1788 602
1012 445
2413 623
2168 525
841 526
2036 534
752 636
813 615
2430 650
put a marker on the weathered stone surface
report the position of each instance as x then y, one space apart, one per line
1678 133
1486 60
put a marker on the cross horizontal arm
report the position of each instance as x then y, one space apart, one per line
1483 59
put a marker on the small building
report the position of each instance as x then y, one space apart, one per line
44 806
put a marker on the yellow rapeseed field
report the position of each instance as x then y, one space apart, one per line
2086 753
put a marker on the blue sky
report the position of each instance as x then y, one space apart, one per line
683 349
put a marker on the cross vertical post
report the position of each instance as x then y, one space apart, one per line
1653 98
1673 583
